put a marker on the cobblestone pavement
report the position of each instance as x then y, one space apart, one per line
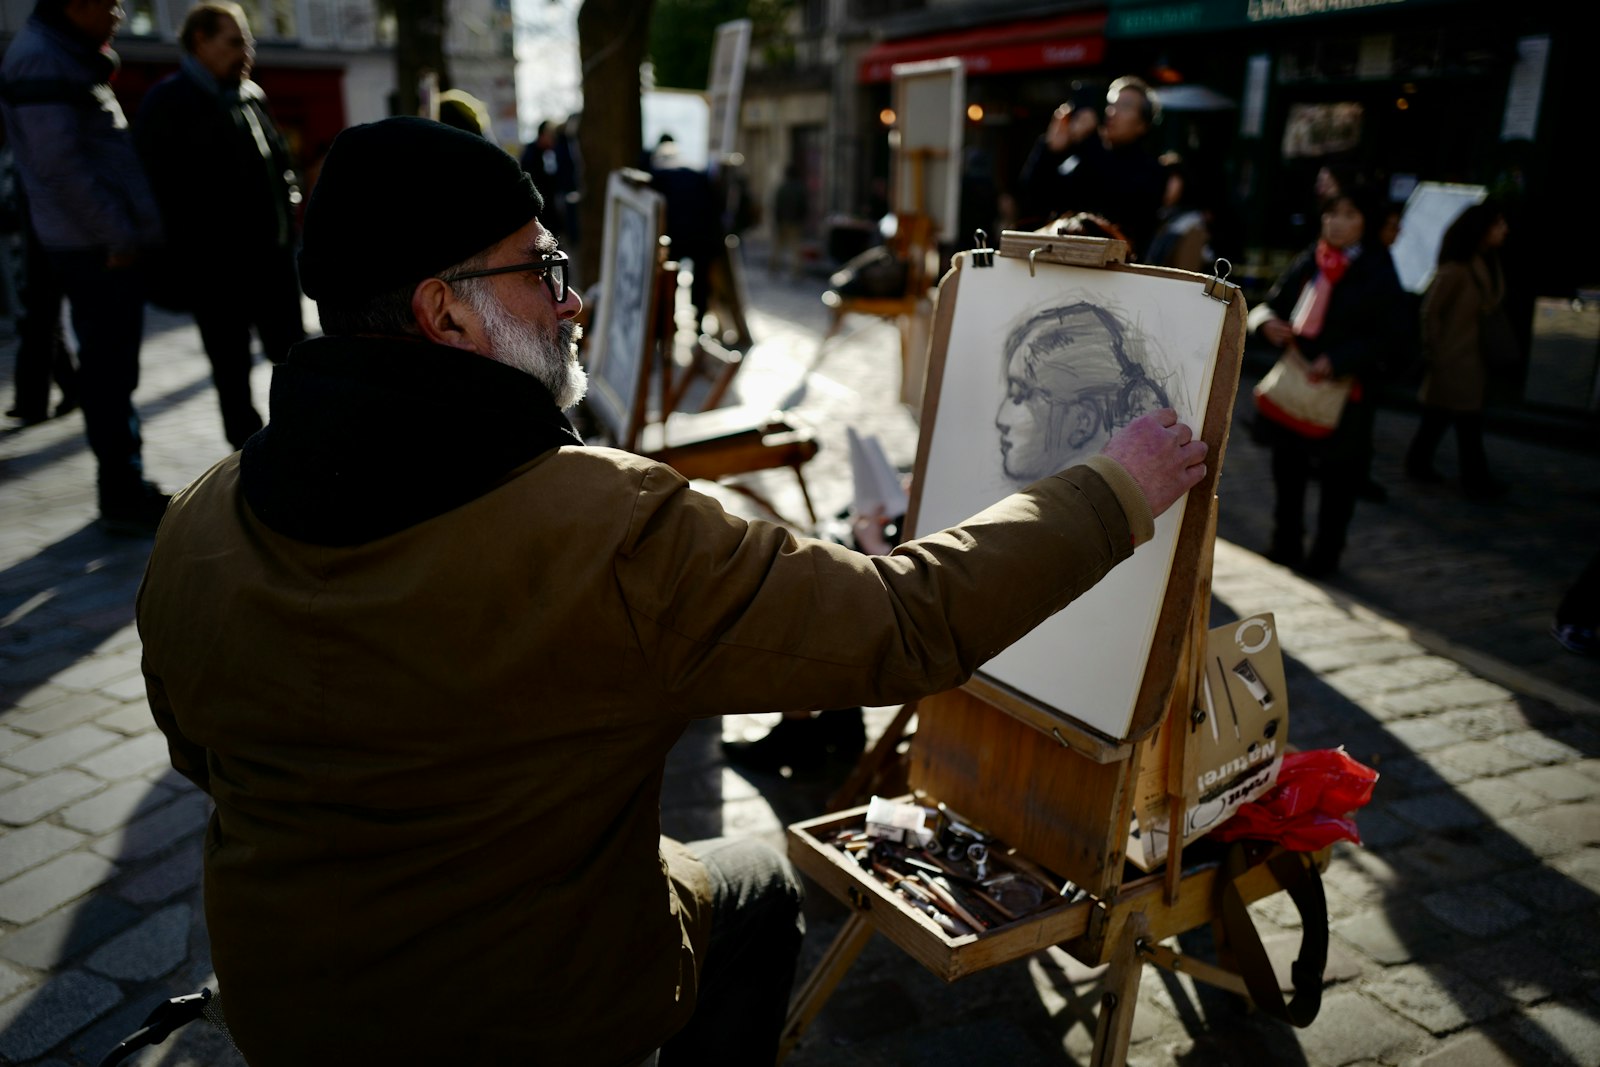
1466 931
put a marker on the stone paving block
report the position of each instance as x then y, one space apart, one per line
133 756
11 740
1540 748
96 671
1480 759
1556 888
133 718
1566 1032
1476 1050
58 937
58 715
151 833
10 778
1561 784
43 889
1423 734
147 950
1518 968
1351 1027
1476 910
1399 933
58 750
1554 830
33 845
177 873
11 980
1410 775
33 697
1345 654
1457 693
37 1021
1583 868
1435 859
1483 722
1501 798
1381 830
113 807
1435 997
128 688
39 797
1433 812
1589 768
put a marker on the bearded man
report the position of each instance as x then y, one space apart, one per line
428 654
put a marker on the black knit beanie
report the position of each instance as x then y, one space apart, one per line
400 200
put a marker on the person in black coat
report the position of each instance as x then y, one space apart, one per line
227 193
1080 165
1340 304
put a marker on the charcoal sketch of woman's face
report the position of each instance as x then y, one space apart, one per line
1070 385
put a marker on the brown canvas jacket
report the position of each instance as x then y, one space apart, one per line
437 757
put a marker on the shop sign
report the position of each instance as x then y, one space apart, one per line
1144 18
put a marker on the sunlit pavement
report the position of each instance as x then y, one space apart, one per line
1466 931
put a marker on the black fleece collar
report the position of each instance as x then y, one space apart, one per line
370 436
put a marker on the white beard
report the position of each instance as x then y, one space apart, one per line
552 359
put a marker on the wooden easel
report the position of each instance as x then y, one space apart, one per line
714 443
1057 792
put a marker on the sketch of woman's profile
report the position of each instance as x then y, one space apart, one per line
1070 384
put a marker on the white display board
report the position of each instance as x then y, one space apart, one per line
1430 209
930 107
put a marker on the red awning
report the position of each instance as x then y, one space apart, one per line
1036 44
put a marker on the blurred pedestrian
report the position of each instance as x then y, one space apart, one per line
1339 304
1183 238
1461 313
1079 165
693 218
92 211
789 213
1578 614
227 193
42 351
549 161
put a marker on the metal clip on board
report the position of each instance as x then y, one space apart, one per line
1218 287
982 254
1071 250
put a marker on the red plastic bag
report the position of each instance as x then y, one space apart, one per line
1310 806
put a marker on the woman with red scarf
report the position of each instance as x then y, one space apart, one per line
1340 304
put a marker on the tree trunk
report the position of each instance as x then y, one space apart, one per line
419 47
613 37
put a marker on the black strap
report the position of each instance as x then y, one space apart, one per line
1297 874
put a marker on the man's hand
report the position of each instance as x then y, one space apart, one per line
1278 333
1070 126
1161 454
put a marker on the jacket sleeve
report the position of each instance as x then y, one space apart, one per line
51 125
741 615
188 758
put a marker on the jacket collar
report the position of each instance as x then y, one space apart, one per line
370 436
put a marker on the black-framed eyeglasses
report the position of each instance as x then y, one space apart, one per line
553 265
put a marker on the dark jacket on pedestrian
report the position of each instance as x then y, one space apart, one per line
85 188
1364 326
1124 185
222 178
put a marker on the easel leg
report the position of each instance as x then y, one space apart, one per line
873 761
1114 1025
824 979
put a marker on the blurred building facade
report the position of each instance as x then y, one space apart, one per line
1260 95
324 64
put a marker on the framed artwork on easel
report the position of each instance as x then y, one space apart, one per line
1034 364
619 352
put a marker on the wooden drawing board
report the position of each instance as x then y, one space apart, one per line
1097 675
619 350
930 105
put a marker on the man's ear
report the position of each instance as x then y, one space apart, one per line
442 317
